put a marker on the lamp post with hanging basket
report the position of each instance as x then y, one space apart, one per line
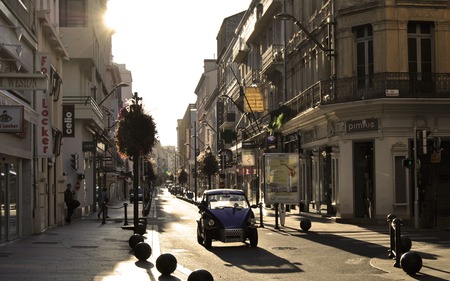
135 136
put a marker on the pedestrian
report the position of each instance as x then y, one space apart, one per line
103 199
367 194
68 198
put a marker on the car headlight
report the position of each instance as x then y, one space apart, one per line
251 221
211 222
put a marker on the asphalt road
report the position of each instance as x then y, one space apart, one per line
282 254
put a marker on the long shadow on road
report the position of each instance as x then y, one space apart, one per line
261 261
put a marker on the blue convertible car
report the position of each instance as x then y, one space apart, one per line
226 216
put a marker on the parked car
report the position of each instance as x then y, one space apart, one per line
140 194
226 216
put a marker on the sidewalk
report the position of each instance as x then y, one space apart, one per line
60 253
432 245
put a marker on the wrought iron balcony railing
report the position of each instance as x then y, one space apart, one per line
377 86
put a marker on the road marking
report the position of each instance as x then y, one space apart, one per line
156 252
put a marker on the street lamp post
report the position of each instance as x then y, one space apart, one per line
195 162
121 84
286 16
94 180
194 148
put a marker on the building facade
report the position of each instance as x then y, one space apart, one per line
56 76
352 88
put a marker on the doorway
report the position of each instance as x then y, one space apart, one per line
9 206
363 180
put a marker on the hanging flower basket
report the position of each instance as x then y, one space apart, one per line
136 132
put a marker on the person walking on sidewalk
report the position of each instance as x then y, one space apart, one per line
103 199
68 198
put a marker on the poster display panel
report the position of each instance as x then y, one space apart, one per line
281 181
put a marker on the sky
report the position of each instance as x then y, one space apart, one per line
164 45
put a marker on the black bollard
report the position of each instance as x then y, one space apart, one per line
140 228
396 224
305 224
166 264
276 216
134 239
103 213
411 262
200 275
391 251
125 205
143 221
142 251
405 243
261 220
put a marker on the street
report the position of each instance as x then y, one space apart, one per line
88 249
285 254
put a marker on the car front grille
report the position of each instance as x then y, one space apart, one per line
233 235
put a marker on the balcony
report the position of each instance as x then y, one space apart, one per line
229 121
265 11
252 77
240 50
377 86
86 109
272 59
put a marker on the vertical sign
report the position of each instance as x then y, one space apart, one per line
281 182
44 131
68 121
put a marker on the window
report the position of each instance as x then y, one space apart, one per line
420 45
364 56
72 13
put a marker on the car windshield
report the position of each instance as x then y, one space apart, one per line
220 201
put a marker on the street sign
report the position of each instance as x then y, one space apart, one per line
23 81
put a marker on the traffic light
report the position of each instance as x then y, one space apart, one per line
408 163
74 161
421 137
221 162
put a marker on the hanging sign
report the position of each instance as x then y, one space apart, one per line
254 101
11 119
68 121
44 134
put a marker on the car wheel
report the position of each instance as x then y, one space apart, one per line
208 240
199 236
253 237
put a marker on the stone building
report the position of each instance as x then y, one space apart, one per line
351 88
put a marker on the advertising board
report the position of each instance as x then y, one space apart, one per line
281 181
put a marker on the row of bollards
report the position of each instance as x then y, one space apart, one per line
166 263
400 246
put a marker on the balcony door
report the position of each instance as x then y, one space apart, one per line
420 56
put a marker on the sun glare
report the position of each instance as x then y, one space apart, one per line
114 17
109 17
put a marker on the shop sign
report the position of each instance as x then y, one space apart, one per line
89 146
364 125
44 130
254 101
23 81
69 121
11 119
